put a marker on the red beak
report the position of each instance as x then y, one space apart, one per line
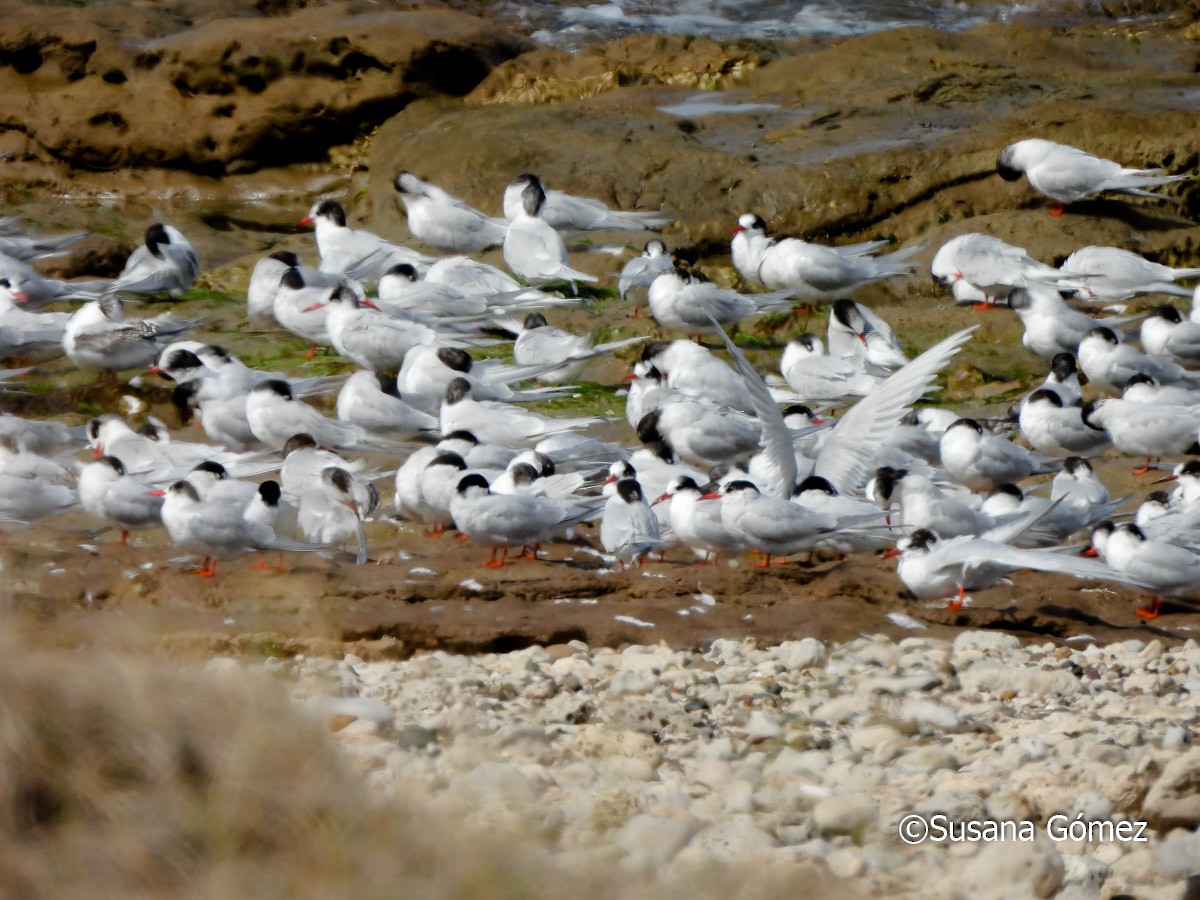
154 370
863 338
713 496
156 493
628 378
817 420
367 301
890 554
306 221
660 499
610 479
314 306
97 452
1090 553
21 297
738 229
1164 479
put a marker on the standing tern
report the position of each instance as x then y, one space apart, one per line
934 567
107 492
989 268
332 510
629 529
773 526
695 518
856 332
499 423
265 280
504 521
1052 327
1067 174
696 371
98 336
1164 569
532 248
219 531
1150 431
821 378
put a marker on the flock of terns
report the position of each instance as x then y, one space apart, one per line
728 461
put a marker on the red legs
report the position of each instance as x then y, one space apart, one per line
527 553
312 352
1152 611
494 563
637 312
716 554
957 602
1057 208
436 531
461 537
124 541
261 562
209 570
1150 466
766 561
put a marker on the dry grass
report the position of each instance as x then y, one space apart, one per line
125 776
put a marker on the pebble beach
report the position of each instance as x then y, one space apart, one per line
423 726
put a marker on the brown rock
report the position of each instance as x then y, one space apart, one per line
230 94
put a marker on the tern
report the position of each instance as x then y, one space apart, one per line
812 272
110 494
165 262
348 251
681 301
1067 174
639 273
1110 274
219 531
539 344
504 521
1056 429
565 212
532 248
629 529
989 269
980 460
443 221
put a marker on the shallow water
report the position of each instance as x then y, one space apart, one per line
571 27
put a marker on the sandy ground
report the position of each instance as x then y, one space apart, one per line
442 597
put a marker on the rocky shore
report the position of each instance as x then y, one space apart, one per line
606 768
799 763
